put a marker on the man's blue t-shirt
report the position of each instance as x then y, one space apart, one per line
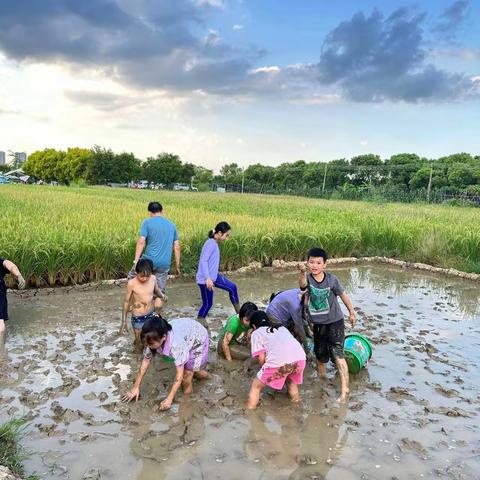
160 234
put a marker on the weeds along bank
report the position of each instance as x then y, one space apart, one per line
63 235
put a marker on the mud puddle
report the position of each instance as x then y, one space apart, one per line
412 414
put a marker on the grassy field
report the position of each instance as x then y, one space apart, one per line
62 235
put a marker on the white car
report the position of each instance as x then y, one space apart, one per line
181 186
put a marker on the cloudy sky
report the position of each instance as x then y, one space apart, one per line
220 81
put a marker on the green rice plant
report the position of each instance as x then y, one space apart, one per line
65 235
11 455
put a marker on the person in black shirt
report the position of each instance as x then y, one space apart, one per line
7 267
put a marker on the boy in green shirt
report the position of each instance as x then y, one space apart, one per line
233 332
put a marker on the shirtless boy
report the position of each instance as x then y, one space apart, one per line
139 299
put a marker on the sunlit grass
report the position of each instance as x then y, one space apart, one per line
61 235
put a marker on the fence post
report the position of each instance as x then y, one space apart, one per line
429 183
324 178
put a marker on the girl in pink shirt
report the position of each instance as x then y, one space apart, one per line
281 357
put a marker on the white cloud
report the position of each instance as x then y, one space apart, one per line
364 143
237 27
267 70
211 3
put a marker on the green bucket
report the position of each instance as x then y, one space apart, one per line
358 351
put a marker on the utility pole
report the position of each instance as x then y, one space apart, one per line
243 178
429 183
324 178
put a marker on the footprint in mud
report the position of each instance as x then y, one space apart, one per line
406 445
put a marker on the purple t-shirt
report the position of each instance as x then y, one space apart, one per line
209 262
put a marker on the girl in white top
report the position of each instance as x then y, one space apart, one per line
281 357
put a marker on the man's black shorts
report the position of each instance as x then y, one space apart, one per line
328 341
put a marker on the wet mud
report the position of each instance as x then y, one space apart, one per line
412 413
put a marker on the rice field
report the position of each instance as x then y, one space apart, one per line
66 235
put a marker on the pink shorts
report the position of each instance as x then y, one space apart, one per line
277 376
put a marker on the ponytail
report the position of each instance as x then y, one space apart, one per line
222 227
260 319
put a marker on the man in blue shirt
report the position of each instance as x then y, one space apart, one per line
159 237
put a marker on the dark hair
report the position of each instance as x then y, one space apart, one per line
246 310
317 252
155 207
145 266
153 330
274 294
222 227
259 319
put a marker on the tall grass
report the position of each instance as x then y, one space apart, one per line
11 455
61 235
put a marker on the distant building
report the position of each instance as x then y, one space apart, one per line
22 156
2 158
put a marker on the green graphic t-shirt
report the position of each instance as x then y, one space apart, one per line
235 327
323 305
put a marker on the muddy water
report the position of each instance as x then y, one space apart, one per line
414 413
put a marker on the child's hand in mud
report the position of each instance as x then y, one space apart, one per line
21 282
165 405
352 319
134 393
302 267
123 328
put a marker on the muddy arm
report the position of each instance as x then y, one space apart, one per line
126 308
139 249
225 346
348 303
176 383
177 253
13 269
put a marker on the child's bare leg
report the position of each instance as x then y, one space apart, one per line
344 379
254 395
322 369
158 304
3 353
202 375
187 382
138 339
293 391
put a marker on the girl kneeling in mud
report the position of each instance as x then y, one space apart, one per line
281 357
183 341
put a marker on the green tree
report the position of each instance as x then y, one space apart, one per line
100 166
231 174
126 168
203 175
45 164
367 169
258 175
165 168
75 162
401 167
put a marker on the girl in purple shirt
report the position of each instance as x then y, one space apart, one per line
207 274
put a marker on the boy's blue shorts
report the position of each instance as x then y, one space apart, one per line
138 321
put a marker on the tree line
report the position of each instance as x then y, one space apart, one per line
404 171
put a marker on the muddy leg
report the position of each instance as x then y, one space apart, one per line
159 303
3 353
138 340
254 395
187 382
344 379
202 375
322 369
293 391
